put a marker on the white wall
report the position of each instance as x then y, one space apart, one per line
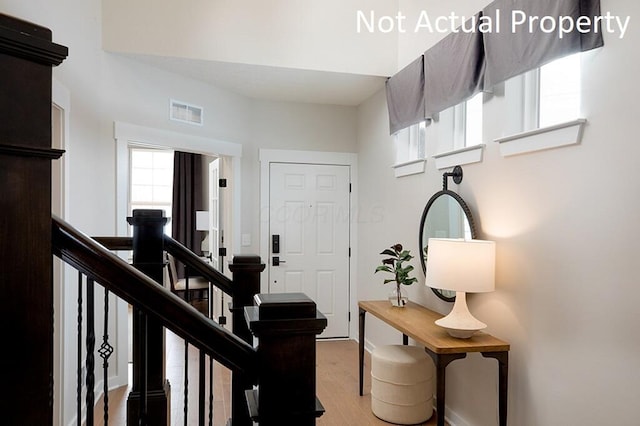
278 125
316 35
565 222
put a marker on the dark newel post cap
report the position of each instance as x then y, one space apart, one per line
144 216
279 306
246 262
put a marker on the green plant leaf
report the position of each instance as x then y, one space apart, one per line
405 255
389 252
407 269
384 268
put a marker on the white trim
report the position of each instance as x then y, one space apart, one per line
409 167
61 98
563 134
184 142
459 157
127 134
267 156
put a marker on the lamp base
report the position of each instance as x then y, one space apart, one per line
460 323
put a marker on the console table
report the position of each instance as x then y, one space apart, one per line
417 322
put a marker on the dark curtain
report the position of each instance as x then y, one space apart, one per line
187 198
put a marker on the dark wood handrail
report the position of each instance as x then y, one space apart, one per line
197 266
116 243
107 269
180 252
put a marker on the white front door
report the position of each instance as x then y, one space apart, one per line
309 219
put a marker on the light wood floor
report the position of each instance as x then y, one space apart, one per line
337 388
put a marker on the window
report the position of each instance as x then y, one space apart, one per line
543 108
410 149
552 93
472 122
410 143
559 91
459 134
151 181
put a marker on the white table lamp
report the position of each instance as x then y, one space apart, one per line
463 266
202 224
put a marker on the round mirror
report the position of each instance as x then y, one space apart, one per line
446 215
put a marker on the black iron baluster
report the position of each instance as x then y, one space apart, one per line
91 346
79 373
210 389
186 381
105 352
186 351
142 326
210 303
201 387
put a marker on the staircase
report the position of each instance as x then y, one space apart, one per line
273 383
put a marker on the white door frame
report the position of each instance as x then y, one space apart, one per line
127 135
268 156
61 99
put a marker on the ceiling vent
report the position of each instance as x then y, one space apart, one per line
186 113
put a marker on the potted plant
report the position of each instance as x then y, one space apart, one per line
394 263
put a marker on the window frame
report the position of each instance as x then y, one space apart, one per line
167 207
524 133
452 135
410 149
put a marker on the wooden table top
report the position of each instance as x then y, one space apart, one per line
417 322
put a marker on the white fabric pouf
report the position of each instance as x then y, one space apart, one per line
401 384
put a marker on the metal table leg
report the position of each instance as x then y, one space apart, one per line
361 314
503 381
441 361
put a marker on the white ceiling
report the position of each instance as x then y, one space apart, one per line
273 83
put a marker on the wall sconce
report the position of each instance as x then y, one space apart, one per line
463 266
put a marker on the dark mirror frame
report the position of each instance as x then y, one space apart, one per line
422 243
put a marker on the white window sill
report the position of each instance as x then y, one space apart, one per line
569 133
409 168
459 157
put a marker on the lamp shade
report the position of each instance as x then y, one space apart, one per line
461 265
202 220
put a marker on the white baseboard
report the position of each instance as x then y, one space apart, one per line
453 419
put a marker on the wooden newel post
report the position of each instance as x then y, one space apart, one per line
26 291
150 394
286 326
246 271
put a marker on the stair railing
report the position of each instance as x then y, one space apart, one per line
28 237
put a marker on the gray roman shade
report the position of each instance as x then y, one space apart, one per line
454 69
472 59
405 96
512 53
